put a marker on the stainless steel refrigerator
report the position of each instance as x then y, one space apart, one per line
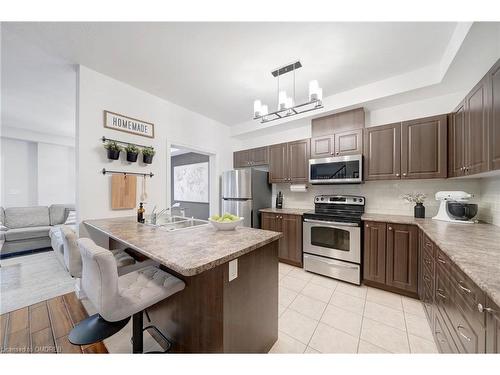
244 193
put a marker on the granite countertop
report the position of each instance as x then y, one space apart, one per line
189 251
474 248
286 211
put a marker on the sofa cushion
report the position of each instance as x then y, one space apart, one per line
59 212
22 217
26 233
2 216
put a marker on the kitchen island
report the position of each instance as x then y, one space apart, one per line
212 314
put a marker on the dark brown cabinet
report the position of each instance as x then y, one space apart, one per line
494 115
250 158
290 247
289 162
391 257
492 327
338 122
382 152
424 148
411 149
456 142
348 142
374 252
402 257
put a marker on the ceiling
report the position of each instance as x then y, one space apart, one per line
218 69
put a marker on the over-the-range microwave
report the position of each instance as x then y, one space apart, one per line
336 170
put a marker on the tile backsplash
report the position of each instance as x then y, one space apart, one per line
385 196
489 205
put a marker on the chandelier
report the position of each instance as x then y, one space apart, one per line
286 104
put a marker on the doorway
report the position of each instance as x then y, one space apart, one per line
189 182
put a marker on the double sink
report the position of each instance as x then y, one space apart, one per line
172 223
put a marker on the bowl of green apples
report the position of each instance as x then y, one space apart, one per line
226 221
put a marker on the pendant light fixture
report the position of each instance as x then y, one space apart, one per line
286 104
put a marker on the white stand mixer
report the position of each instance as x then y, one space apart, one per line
451 196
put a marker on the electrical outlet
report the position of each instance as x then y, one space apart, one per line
233 269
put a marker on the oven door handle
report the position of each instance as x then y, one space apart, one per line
331 223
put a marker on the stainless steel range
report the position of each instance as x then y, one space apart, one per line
332 237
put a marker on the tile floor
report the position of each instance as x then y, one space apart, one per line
322 315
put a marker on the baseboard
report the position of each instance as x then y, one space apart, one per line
25 252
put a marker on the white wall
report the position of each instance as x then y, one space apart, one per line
173 124
19 173
36 173
56 174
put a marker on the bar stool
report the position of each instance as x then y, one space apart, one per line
117 298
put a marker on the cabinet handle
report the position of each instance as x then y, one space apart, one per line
440 293
427 278
463 287
390 228
481 309
427 261
404 174
338 153
459 328
397 174
442 261
367 226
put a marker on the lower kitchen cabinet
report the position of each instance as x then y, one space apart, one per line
492 327
290 247
391 257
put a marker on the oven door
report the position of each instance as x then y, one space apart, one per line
332 240
336 170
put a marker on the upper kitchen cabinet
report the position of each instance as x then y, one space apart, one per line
456 142
476 129
494 115
288 162
251 158
338 134
408 150
424 148
382 152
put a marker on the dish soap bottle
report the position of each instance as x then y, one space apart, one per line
140 213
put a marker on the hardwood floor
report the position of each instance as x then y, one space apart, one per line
44 327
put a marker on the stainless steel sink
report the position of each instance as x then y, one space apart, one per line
172 223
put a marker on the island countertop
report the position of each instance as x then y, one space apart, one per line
474 248
188 251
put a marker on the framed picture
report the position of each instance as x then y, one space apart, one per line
191 183
127 124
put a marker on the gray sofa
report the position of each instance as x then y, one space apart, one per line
28 228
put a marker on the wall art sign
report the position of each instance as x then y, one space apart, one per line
128 124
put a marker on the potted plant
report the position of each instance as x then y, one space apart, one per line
132 152
147 154
113 149
418 199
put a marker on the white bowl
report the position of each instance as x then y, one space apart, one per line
226 226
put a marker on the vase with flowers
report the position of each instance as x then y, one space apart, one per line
418 199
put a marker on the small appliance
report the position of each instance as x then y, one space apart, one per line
454 207
336 170
332 237
244 192
279 200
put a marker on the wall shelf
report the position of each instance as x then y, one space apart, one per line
105 139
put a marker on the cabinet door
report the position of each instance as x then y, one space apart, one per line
278 170
241 159
267 221
374 252
492 328
476 130
338 122
292 232
349 142
322 147
382 151
402 257
494 112
298 161
424 148
456 137
259 156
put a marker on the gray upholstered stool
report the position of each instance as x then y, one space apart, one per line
117 298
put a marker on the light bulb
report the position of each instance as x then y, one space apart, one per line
264 110
289 103
313 90
282 100
257 108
